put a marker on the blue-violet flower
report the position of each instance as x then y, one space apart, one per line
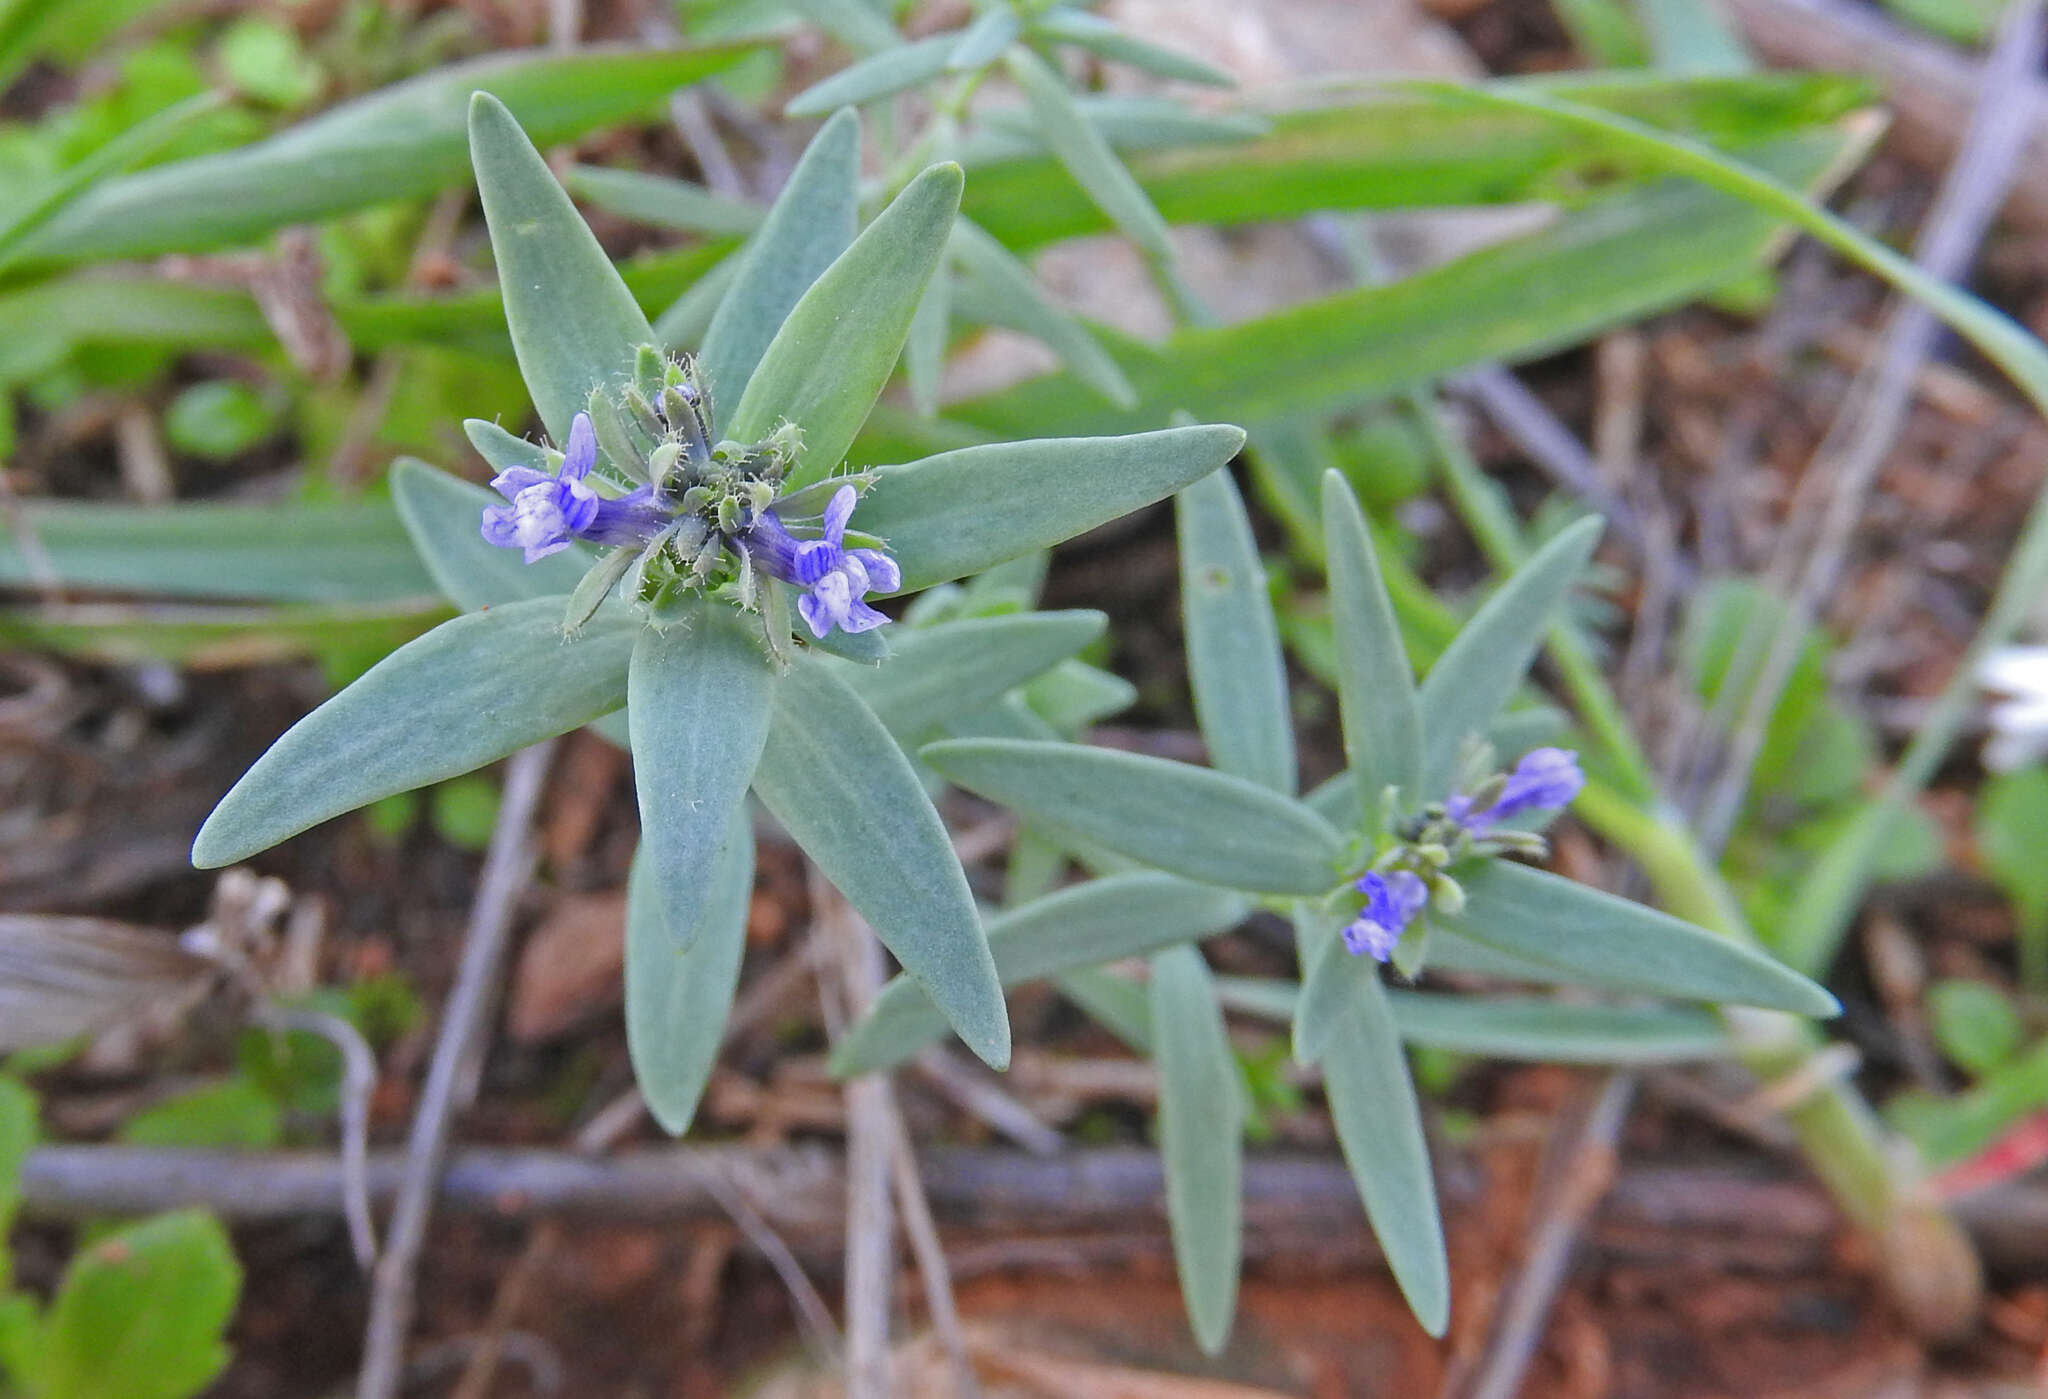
835 579
548 511
1391 902
1546 779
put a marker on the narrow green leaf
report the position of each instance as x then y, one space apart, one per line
829 361
663 200
879 75
442 515
1379 1126
840 786
1116 1003
998 289
699 697
1235 668
1331 981
1376 688
302 552
960 512
1073 695
1103 920
400 142
1546 1031
1201 1139
467 693
574 325
1087 156
129 148
140 1313
983 41
1099 36
1547 919
813 221
677 1000
18 1131
855 23
1189 821
1475 677
940 672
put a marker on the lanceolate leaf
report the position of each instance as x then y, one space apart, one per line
663 201
1470 683
939 672
574 324
1122 915
829 361
1379 1125
1201 1139
1548 919
442 515
1099 36
1543 1030
677 1000
983 41
1233 644
401 142
837 782
1376 688
878 75
1189 821
814 220
1087 156
467 693
699 698
960 512
998 289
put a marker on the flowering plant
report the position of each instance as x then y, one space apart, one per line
731 613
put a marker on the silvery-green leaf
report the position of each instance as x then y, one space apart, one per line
1187 820
442 514
688 319
840 786
996 288
1264 997
924 349
1122 915
1453 952
467 693
1615 942
1376 690
700 697
953 668
983 41
855 23
1073 695
1470 683
595 586
1379 1126
1128 123
1329 983
676 999
813 221
574 325
1233 644
1116 1003
1201 1139
868 648
1087 156
1099 36
879 75
960 512
1547 1031
499 448
663 200
828 363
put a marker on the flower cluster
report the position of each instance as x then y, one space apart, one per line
701 516
1411 875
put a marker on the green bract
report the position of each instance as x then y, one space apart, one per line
724 692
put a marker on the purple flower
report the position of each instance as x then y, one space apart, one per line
1391 903
835 579
1544 780
546 512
